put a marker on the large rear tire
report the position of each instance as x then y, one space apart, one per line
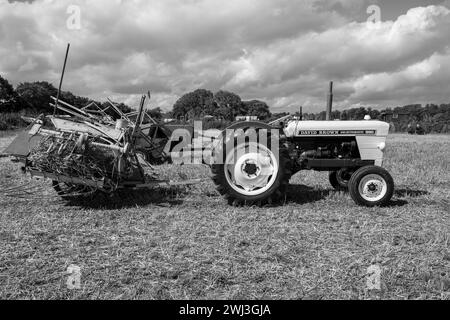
253 177
371 186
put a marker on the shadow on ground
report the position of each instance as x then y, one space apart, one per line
128 199
302 194
299 194
412 193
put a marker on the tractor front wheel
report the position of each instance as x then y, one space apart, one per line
371 186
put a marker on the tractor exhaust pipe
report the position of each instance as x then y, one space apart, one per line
329 102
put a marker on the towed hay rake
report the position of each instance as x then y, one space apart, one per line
87 152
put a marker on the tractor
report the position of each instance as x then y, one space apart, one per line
253 161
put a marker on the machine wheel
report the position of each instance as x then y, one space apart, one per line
371 186
253 177
339 179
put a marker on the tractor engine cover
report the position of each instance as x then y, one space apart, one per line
370 135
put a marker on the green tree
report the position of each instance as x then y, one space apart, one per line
336 114
196 103
229 105
257 108
74 100
9 100
156 113
37 95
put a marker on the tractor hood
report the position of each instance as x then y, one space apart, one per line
337 128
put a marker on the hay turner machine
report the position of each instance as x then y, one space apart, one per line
86 151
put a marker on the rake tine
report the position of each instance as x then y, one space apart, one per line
13 188
24 189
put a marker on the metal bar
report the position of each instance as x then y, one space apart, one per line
146 113
62 178
330 102
119 112
62 77
157 183
327 164
72 112
97 111
74 108
112 147
139 117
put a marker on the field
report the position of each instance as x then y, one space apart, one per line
187 243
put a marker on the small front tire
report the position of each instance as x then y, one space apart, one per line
371 186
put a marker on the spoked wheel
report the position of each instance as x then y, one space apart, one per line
371 186
340 179
252 173
69 190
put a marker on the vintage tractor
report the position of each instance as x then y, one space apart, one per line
254 161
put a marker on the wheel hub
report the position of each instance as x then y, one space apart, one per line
373 187
343 176
251 168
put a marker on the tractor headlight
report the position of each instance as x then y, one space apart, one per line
382 146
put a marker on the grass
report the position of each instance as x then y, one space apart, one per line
187 243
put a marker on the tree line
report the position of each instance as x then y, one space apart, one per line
34 98
221 108
224 105
432 118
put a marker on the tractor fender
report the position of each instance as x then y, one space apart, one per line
241 125
247 124
218 145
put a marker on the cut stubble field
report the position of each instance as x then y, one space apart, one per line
188 243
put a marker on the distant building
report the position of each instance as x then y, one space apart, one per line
247 118
392 116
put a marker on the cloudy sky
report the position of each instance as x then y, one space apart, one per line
282 51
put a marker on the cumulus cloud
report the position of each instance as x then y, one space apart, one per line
283 51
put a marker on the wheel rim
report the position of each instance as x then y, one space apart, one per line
372 187
251 173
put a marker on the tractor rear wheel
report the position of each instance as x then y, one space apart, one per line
371 186
252 177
